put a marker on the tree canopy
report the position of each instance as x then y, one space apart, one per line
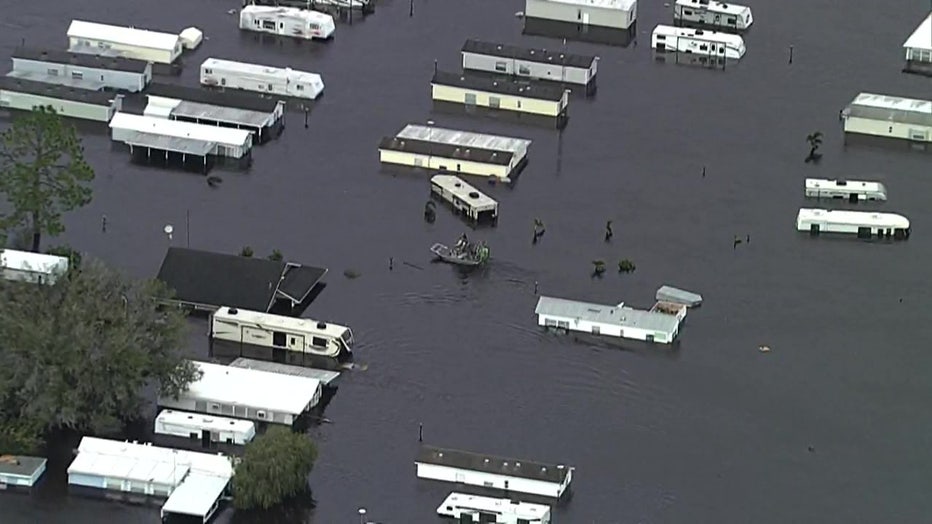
44 174
81 353
275 467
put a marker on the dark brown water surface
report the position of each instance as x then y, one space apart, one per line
712 431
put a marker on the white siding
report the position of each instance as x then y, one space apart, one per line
603 13
598 328
490 480
97 39
125 80
528 69
261 79
67 108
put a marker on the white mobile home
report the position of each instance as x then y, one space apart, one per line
918 48
531 63
261 79
81 70
199 139
35 268
84 104
700 42
614 14
274 331
474 509
473 469
660 324
192 482
247 394
205 428
455 151
713 13
111 40
865 224
286 21
16 470
464 198
518 96
890 117
853 190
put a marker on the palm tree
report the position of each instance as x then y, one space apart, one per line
815 141
598 267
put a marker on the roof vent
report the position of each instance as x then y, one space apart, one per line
321 325
233 311
473 194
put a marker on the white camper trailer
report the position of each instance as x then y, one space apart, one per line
474 508
273 331
206 428
699 42
286 21
853 190
713 13
261 79
865 224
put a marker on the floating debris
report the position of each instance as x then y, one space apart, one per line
678 296
351 273
626 266
763 349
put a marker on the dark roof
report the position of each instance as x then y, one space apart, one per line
423 147
299 281
220 279
238 100
529 54
519 88
21 85
114 63
491 464
20 465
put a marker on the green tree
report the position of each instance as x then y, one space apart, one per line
81 353
275 467
246 252
276 256
44 174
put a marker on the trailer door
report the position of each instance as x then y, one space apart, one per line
295 342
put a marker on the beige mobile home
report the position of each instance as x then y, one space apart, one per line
613 14
455 151
890 117
519 96
129 42
25 95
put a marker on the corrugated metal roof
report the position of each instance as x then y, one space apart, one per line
529 54
325 376
183 130
891 108
454 458
620 315
195 496
221 114
168 143
464 138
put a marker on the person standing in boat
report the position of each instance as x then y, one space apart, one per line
462 243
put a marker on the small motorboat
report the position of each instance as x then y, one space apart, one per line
464 253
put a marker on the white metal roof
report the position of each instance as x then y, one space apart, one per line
191 37
464 138
464 191
325 376
196 495
699 34
32 262
619 315
267 319
922 36
208 422
896 103
286 74
182 130
123 35
249 387
624 5
291 12
846 185
715 6
854 218
144 462
164 107
524 510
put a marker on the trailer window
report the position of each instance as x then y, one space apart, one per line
524 70
319 342
260 414
299 87
501 67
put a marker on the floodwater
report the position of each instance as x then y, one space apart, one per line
831 426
